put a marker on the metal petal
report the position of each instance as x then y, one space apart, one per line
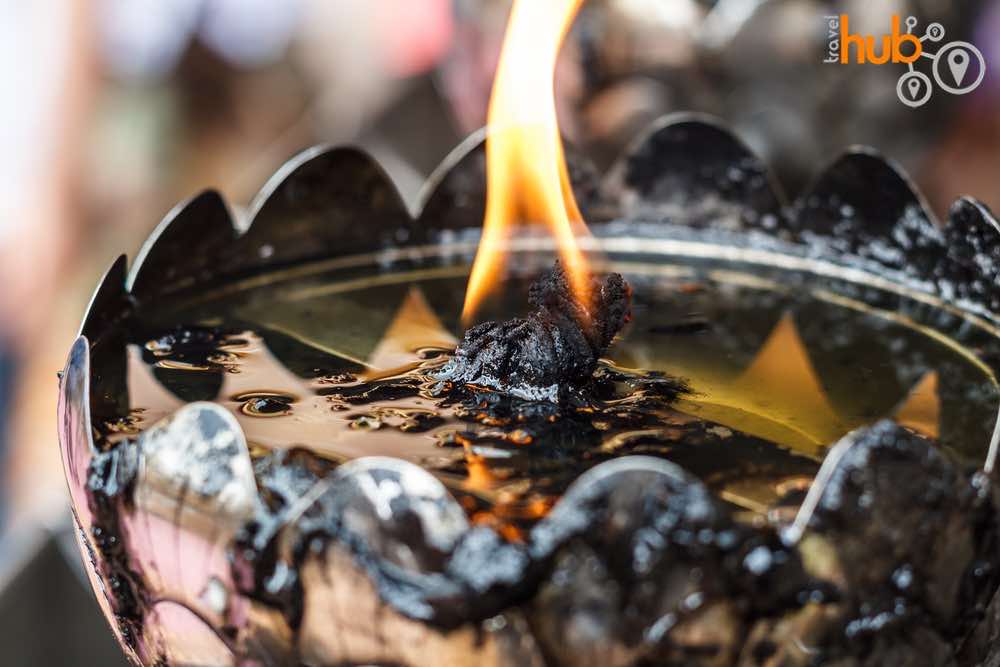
638 538
193 491
381 530
613 483
398 492
108 302
863 205
184 249
971 270
74 427
325 202
106 361
77 447
886 499
688 169
454 196
397 519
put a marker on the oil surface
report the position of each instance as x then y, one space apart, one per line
773 374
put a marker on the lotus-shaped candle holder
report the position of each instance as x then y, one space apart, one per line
875 543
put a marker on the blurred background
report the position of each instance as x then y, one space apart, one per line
114 110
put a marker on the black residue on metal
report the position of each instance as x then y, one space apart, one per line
639 531
484 573
863 206
926 532
697 171
111 478
260 571
972 269
554 349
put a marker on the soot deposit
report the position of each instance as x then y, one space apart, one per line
554 349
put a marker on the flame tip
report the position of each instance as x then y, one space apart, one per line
527 178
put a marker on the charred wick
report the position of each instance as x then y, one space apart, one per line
550 354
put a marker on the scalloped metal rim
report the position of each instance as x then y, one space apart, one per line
106 295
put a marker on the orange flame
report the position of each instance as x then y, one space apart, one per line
526 174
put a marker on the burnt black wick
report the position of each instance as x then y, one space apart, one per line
550 352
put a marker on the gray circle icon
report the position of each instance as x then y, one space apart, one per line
914 89
934 32
954 69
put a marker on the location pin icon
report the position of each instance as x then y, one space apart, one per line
958 63
914 86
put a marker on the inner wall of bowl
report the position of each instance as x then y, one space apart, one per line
798 356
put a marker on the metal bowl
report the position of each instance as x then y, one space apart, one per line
374 561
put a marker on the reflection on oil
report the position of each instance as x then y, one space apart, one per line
264 404
921 410
777 397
